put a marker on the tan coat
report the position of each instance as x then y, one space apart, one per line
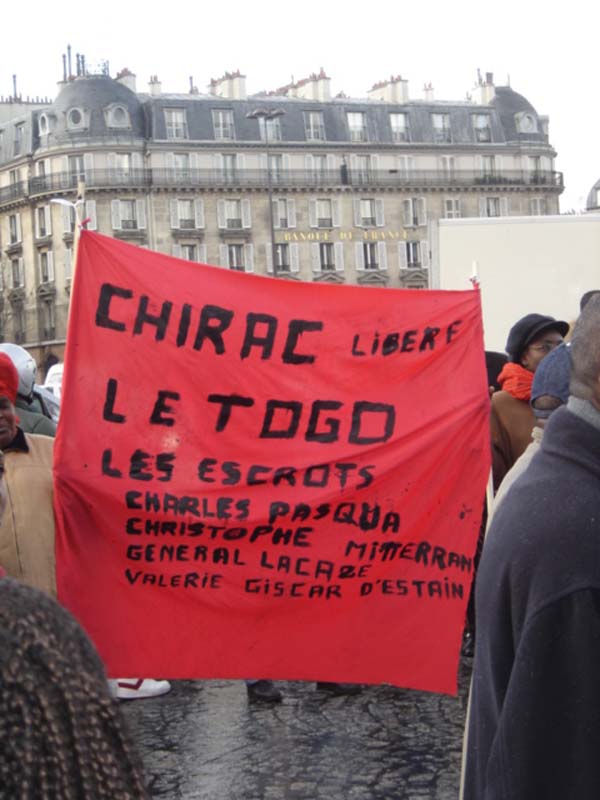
511 422
27 529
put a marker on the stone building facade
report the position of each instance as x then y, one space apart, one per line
357 185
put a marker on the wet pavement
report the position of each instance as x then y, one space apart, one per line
205 741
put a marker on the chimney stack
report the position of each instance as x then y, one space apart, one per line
154 86
392 90
232 85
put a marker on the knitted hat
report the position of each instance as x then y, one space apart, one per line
553 375
527 329
9 378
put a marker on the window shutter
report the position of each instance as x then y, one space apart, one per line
218 161
246 217
68 263
65 163
50 266
335 212
176 250
276 217
312 213
315 256
422 211
239 161
353 162
88 165
199 212
66 219
402 260
482 207
18 225
291 213
174 213
379 213
294 257
374 165
221 221
48 218
424 246
338 249
249 257
112 161
309 163
330 162
115 214
21 272
90 212
498 163
194 161
269 256
359 255
202 254
407 213
223 255
382 252
170 161
141 213
137 161
504 206
357 217
37 224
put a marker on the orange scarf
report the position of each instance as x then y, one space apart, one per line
516 380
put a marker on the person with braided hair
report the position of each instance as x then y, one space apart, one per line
61 733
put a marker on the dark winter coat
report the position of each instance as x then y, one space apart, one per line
534 727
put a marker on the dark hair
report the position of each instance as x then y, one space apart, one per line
61 733
585 350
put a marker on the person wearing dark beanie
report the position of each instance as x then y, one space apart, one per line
529 341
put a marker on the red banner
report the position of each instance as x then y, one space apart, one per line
268 478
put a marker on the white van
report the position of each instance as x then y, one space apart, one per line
53 382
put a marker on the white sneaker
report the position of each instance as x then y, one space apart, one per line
138 688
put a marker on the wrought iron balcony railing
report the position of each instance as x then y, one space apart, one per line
280 179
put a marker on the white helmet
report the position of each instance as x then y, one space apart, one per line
26 367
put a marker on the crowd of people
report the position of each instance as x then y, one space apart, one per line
533 725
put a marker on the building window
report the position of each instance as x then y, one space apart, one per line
43 124
324 214
481 128
46 267
276 167
414 212
441 128
75 118
76 169
176 123
400 130
17 273
270 129
538 206
326 256
48 320
189 252
493 207
14 228
68 263
413 255
229 167
19 318
284 213
223 124
361 168
370 255
314 127
282 257
19 140
40 168
187 214
488 166
367 213
357 125
42 221
452 207
447 168
239 257
128 215
14 176
233 214
118 117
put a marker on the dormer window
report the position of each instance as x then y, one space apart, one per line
75 118
44 125
526 123
117 117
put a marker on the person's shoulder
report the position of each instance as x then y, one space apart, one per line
39 442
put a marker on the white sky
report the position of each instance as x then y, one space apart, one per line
549 49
